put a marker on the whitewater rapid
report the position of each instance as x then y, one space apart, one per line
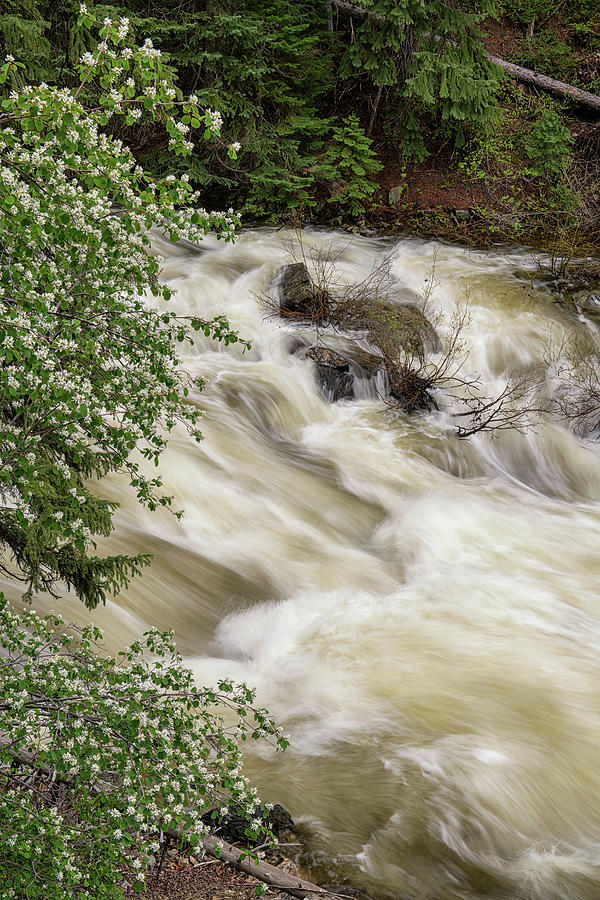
421 613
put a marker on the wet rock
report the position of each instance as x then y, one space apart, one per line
295 345
279 820
462 215
364 364
393 328
299 297
295 290
233 828
333 373
586 301
344 891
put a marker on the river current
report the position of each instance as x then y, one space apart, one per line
420 612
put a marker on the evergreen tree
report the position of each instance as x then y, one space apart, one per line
429 53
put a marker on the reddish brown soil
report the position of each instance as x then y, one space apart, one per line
209 880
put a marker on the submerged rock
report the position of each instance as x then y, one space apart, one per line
333 373
365 364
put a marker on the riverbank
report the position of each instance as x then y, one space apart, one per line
186 879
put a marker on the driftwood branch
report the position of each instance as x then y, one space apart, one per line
526 76
268 874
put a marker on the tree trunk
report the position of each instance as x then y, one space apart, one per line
329 6
374 112
405 54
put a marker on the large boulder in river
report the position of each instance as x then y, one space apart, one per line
333 373
395 328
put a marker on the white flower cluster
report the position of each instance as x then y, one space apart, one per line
101 368
86 713
215 120
148 50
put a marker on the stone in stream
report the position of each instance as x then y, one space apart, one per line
396 329
333 373
299 297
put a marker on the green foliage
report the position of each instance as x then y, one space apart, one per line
89 372
548 54
264 66
101 757
268 67
522 12
44 36
431 53
549 146
348 161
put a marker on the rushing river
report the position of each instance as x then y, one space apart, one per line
421 613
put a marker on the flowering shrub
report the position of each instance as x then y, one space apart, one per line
88 371
99 758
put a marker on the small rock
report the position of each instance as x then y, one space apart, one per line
395 194
462 215
299 298
333 372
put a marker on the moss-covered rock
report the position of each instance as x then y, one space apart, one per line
396 329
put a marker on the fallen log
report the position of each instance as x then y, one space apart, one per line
545 83
526 76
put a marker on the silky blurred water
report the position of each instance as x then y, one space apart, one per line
420 613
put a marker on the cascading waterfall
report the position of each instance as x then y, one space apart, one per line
420 613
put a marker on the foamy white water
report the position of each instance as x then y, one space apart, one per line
420 612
